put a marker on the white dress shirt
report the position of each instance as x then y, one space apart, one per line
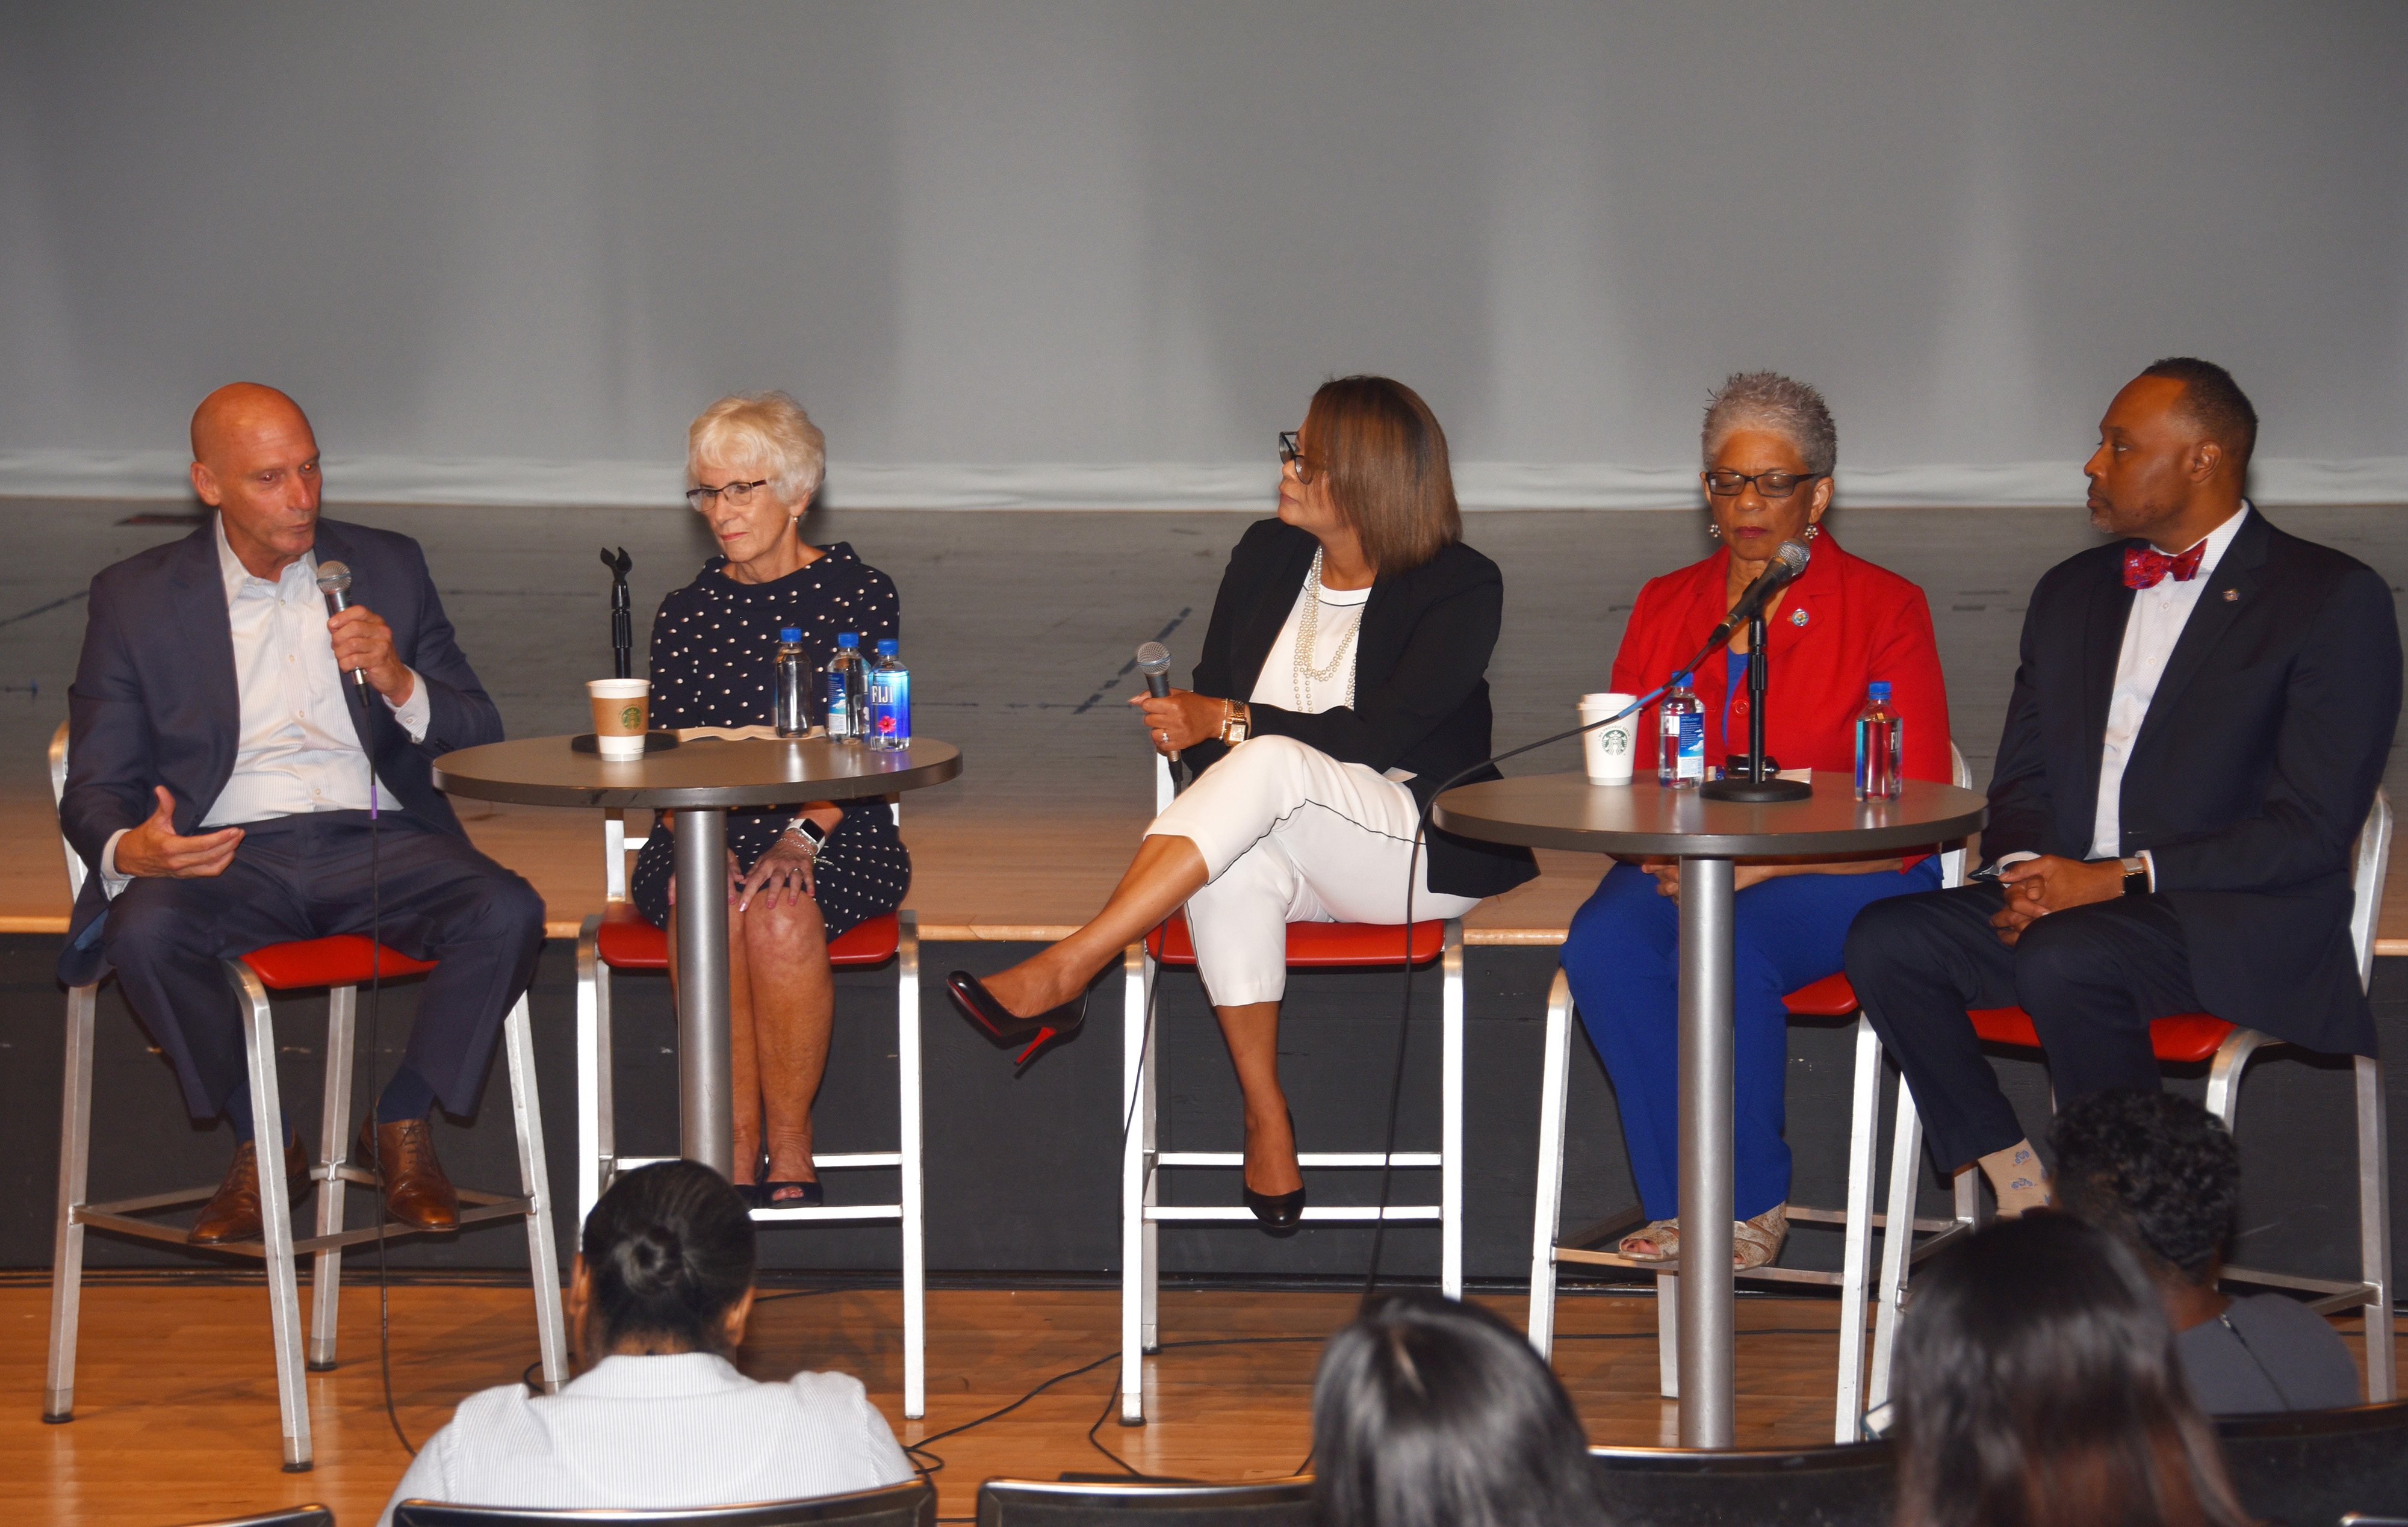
2150 632
658 1434
298 750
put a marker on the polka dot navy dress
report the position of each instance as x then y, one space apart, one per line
714 663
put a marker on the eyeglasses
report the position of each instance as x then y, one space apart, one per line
1292 455
737 493
1768 484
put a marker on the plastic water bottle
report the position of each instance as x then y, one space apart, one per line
793 694
890 699
1681 749
847 690
1881 737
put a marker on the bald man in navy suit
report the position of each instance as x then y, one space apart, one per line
2199 724
231 783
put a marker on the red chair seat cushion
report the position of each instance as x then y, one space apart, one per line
1831 997
2179 1037
626 941
1318 946
344 960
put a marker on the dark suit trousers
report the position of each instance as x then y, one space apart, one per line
2092 978
307 876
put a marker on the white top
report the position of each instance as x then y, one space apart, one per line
298 749
657 1434
1342 615
2150 632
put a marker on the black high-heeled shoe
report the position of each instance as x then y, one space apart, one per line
813 1196
979 1005
1280 1214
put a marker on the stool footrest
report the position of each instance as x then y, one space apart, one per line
819 1163
1310 1158
2350 1292
1171 1214
1616 1258
832 1211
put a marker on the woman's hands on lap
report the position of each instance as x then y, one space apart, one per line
784 869
1180 719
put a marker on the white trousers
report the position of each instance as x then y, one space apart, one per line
1290 834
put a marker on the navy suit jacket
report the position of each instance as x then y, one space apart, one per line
2251 775
154 700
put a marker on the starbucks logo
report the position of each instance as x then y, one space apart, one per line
1616 741
631 717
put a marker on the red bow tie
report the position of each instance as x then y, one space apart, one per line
2145 567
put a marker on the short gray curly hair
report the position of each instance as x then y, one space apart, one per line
1767 400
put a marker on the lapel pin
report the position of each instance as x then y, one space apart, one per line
2232 596
1796 617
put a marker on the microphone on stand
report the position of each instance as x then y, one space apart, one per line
1154 661
335 582
1788 561
1756 786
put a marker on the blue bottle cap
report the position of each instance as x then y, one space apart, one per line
848 638
1680 681
887 646
790 633
1879 689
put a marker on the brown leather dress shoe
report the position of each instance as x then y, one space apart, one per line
232 1215
416 1192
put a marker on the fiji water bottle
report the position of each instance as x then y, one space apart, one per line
793 694
1880 740
847 690
890 699
1681 749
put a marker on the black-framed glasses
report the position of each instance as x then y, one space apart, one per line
1768 484
737 493
1292 455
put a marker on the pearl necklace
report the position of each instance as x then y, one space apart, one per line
1302 674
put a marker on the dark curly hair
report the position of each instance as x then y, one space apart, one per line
669 1250
1431 1413
2157 1169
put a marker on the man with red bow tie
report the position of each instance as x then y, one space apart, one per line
2199 724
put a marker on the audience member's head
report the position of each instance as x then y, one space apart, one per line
2157 1170
2038 1386
1431 1413
666 1265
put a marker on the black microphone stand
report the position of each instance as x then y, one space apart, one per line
1758 786
623 617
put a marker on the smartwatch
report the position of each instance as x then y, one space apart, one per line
2136 876
813 835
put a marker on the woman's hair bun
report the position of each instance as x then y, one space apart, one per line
669 1250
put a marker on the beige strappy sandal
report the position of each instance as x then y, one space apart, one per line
1753 1242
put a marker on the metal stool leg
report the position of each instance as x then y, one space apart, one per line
1857 1254
1898 1242
2374 1231
535 1180
275 1215
1137 1153
1450 1171
75 1162
1667 1336
326 1274
595 1136
916 1257
1547 1215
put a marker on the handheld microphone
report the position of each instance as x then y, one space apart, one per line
1787 562
335 582
1154 661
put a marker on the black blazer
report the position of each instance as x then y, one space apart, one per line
154 700
1420 686
2251 775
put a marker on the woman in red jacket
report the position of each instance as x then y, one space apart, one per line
1845 625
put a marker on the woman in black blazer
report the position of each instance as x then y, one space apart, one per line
1342 682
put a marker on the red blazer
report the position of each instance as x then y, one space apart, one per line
1861 623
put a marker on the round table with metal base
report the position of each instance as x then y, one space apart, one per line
1566 811
698 782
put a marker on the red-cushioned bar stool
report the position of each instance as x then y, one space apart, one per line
1310 945
620 937
1828 999
340 966
2189 1039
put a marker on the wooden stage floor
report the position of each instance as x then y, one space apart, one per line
175 1403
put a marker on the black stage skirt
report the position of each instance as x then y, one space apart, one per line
862 872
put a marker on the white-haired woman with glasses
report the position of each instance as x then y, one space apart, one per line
1769 448
798 874
1342 681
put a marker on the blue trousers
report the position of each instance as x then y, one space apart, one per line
1623 958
